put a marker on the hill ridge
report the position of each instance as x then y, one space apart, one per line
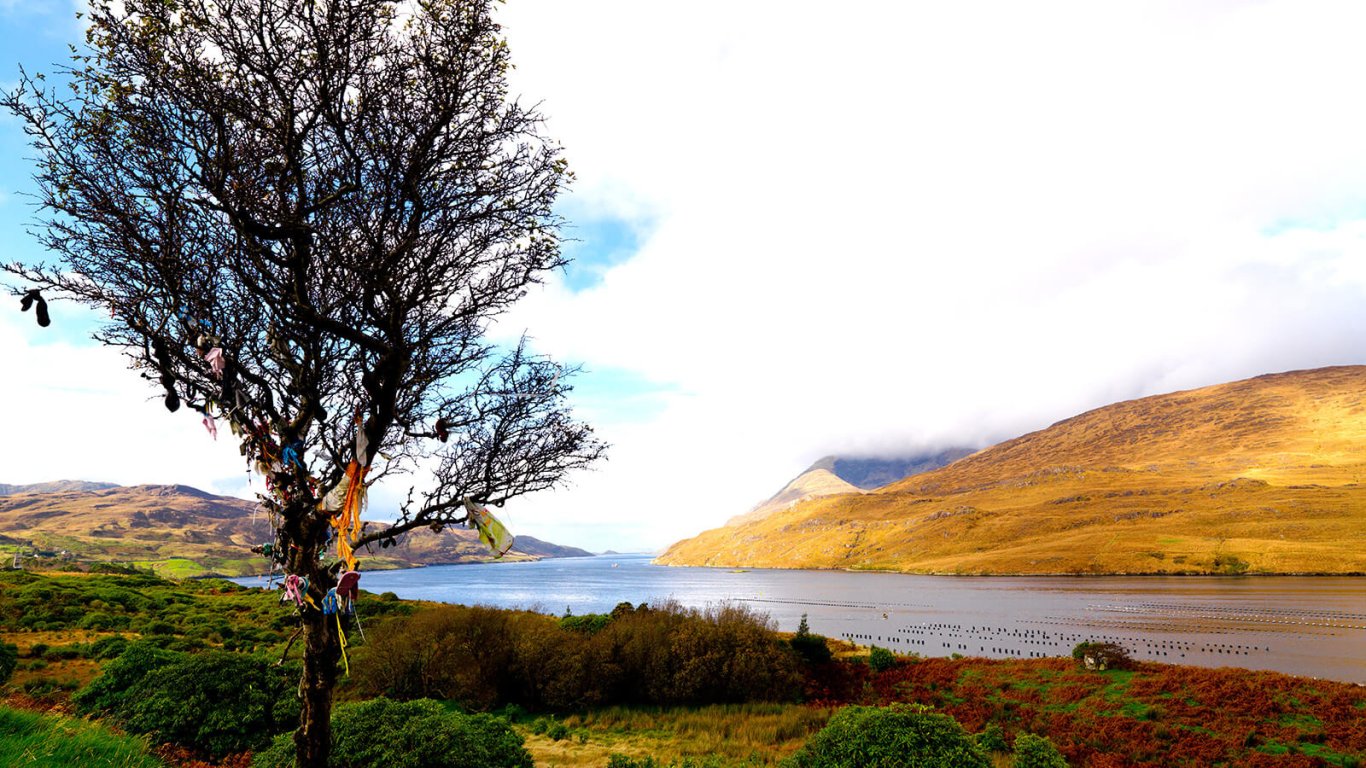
186 531
1257 475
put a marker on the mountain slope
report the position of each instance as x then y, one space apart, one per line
191 532
1261 475
54 486
870 473
816 481
833 475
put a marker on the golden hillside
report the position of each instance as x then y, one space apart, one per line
814 482
1259 476
182 531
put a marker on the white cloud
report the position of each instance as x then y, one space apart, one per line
73 411
885 226
903 225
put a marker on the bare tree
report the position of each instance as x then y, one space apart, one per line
301 217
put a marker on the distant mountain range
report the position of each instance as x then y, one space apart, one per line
184 531
1255 476
833 475
54 487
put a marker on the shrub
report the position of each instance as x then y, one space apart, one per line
1102 656
108 691
485 657
589 623
880 659
993 739
899 736
108 647
811 647
9 659
1230 564
1037 752
215 701
382 733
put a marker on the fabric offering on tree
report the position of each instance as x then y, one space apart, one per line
348 498
296 590
214 357
348 586
209 424
362 444
34 298
492 532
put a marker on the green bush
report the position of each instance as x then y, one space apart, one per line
899 736
108 691
1102 656
1037 752
812 648
9 659
588 623
486 658
214 701
993 739
382 733
880 659
108 647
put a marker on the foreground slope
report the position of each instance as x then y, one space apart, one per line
1262 475
188 532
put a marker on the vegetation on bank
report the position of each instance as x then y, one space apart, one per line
636 655
195 664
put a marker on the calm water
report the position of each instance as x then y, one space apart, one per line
1300 625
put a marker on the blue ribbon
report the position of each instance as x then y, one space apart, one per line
291 454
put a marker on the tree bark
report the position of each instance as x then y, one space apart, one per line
313 739
322 649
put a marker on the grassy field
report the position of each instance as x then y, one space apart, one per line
731 734
32 740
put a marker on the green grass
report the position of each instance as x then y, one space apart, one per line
1332 757
726 734
31 740
173 568
1302 721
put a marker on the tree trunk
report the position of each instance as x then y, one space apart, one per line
313 739
322 650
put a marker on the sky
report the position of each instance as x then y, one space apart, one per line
869 229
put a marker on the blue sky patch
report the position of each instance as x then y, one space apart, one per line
595 244
618 395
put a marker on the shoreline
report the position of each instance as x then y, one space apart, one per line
1026 574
